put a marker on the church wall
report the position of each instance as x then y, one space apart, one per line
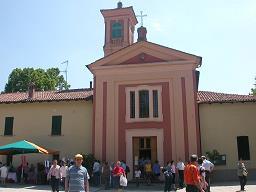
33 122
193 135
220 126
118 78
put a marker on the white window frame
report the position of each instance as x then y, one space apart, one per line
136 90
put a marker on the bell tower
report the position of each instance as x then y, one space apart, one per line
119 28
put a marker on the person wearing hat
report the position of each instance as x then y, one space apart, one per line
77 177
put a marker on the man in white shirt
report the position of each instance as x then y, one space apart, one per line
54 176
180 167
4 173
208 166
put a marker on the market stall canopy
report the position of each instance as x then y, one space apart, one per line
21 147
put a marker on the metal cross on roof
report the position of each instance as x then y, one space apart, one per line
141 17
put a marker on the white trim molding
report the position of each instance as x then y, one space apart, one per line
136 90
130 133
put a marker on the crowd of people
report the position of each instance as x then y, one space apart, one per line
72 176
25 174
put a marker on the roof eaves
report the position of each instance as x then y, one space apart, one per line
88 98
221 102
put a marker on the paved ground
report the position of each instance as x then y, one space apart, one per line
221 187
39 188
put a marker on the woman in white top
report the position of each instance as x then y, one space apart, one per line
63 173
4 173
201 169
137 174
180 167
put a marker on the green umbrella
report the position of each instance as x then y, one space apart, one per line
21 147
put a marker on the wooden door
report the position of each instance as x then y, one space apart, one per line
153 149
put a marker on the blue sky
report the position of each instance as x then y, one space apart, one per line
44 33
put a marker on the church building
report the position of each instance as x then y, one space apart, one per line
144 96
144 104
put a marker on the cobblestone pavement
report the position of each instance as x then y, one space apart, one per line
221 187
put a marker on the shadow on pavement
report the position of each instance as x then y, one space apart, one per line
34 187
219 184
17 187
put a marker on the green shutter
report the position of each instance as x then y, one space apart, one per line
56 125
8 126
117 30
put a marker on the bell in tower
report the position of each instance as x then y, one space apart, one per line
119 28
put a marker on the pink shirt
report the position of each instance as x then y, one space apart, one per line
54 171
173 168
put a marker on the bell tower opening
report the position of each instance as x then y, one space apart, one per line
119 28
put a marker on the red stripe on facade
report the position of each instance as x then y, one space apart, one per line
94 109
198 132
121 121
104 134
167 122
185 120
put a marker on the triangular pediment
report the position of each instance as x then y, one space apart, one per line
143 53
142 58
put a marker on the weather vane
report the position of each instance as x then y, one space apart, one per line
141 17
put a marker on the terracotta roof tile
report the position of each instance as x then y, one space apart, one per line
213 97
47 96
87 94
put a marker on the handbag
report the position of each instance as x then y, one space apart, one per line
123 181
245 173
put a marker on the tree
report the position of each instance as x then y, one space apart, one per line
44 80
254 89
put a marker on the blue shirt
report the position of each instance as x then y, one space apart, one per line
77 177
156 168
123 165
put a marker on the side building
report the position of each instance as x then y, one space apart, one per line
227 125
57 120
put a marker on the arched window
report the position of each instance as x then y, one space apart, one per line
117 30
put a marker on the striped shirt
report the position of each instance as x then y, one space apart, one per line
77 177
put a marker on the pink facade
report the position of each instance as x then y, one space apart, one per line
166 78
